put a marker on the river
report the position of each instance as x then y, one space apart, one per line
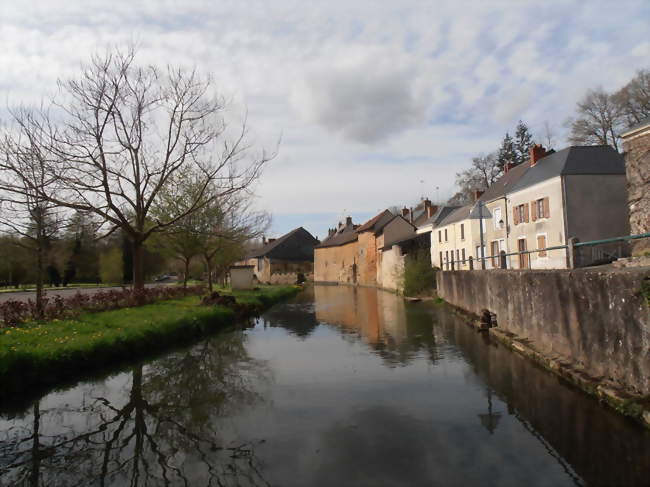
340 386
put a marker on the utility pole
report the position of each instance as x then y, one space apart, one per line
480 222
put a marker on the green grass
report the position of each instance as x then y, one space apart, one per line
49 352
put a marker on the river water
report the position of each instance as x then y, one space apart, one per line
339 387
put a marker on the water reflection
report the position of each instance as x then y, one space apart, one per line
341 386
157 424
397 332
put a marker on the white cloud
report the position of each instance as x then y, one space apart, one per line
370 98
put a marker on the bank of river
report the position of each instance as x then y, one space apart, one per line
340 386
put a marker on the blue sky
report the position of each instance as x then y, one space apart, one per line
377 103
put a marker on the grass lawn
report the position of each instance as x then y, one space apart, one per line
45 352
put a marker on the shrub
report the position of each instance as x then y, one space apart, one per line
16 312
419 276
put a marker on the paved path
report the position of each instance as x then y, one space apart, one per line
25 295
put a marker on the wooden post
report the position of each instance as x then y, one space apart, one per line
471 263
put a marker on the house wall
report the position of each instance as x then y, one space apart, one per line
493 232
391 269
595 319
455 242
367 259
336 264
596 208
552 227
637 167
241 277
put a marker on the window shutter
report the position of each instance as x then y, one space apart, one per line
547 211
515 215
526 212
533 212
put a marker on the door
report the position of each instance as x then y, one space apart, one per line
523 258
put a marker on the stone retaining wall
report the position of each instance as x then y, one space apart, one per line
596 320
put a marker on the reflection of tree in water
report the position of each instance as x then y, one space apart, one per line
298 317
165 434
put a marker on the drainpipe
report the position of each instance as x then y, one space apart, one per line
480 216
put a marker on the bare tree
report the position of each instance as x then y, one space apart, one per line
120 134
25 209
548 135
634 98
598 120
485 170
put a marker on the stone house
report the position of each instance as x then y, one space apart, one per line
335 258
390 257
636 143
281 260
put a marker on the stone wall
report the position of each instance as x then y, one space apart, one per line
595 319
637 167
289 277
336 264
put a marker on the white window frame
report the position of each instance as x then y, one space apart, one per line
496 220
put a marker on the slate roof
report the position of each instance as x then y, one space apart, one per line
377 222
416 240
341 237
505 183
463 213
297 245
574 160
440 214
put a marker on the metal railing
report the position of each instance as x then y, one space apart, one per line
573 256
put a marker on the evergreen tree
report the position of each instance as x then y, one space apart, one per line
507 152
522 143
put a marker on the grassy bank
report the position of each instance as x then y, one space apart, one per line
45 353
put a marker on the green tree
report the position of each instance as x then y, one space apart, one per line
506 153
110 266
522 143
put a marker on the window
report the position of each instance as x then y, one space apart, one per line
441 260
463 255
541 244
462 231
445 234
497 218
439 235
457 255
521 214
446 259
260 264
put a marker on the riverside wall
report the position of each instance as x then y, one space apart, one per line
596 321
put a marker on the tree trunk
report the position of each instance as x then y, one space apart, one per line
208 263
187 271
138 265
40 312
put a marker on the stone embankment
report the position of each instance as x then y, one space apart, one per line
590 326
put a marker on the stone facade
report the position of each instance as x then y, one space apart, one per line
636 143
596 320
336 263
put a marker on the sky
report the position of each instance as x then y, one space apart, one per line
375 104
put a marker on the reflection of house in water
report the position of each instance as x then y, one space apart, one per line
297 317
394 329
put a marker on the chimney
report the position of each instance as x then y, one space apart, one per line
508 166
536 153
271 240
431 209
477 194
263 240
411 215
405 212
348 221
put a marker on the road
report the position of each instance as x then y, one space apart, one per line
25 295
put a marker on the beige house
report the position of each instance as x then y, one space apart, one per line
577 192
456 238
